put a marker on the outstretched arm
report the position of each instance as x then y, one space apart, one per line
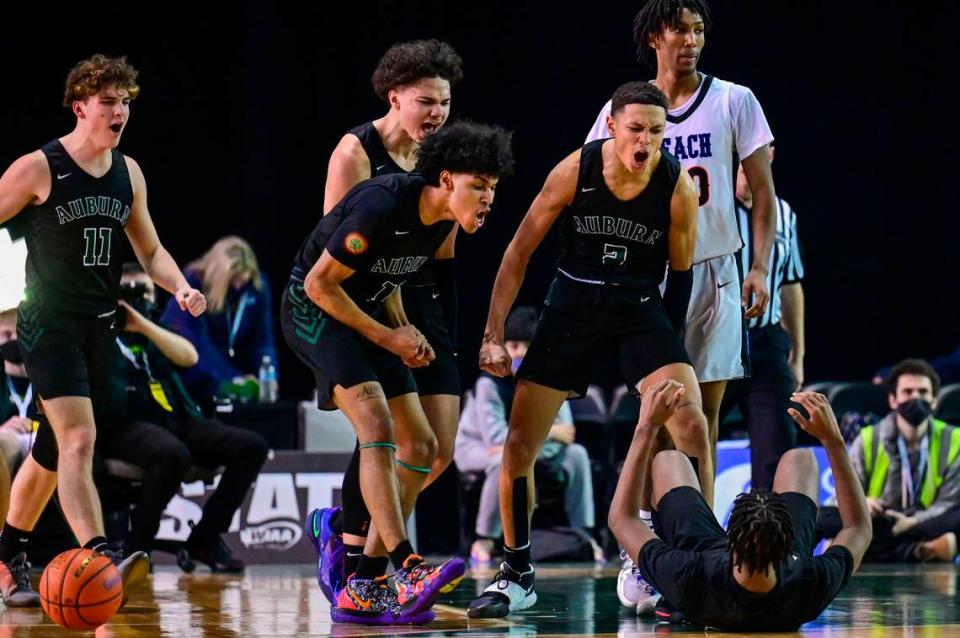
557 193
857 529
659 404
151 254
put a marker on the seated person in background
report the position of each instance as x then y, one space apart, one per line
483 428
759 575
165 433
17 407
236 332
908 466
947 366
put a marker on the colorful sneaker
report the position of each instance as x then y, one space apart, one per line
15 587
373 602
509 591
419 585
329 547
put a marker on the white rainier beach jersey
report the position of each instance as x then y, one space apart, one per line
721 123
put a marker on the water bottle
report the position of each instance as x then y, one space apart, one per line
268 381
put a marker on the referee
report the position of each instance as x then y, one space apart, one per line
776 343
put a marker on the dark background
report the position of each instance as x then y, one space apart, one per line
241 106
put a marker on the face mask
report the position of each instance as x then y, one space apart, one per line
9 351
915 411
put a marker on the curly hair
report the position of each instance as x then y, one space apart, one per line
466 147
407 62
98 72
638 93
760 530
915 367
657 15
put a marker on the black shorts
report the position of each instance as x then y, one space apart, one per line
67 355
581 321
685 522
337 354
424 310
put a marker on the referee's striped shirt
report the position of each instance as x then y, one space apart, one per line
786 265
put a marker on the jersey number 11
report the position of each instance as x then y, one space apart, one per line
97 249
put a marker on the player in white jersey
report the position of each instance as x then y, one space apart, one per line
711 126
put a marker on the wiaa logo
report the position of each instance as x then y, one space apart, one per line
278 535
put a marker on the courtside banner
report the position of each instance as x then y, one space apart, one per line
268 527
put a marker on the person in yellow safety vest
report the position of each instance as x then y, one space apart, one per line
908 467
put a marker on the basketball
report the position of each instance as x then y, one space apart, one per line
80 589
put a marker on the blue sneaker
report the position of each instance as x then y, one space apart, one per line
329 548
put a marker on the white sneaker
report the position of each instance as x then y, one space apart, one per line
633 591
509 591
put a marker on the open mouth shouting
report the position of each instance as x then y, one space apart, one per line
116 127
428 128
640 157
481 215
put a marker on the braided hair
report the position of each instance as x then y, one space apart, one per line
760 531
657 15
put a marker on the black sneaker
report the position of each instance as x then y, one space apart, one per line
15 587
509 591
217 557
133 569
666 614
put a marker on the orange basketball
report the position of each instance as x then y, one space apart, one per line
80 589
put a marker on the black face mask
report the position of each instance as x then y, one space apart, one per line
915 411
10 351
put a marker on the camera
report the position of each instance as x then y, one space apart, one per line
135 294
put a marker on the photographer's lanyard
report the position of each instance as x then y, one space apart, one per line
235 324
22 402
156 389
910 483
139 364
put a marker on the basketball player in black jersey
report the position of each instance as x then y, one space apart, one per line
626 208
80 197
333 316
415 79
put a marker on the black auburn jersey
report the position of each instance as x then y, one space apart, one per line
376 231
380 161
608 240
74 238
382 164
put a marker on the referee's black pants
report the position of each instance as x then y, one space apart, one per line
166 453
885 547
763 399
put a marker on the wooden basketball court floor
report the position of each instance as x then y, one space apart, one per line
276 601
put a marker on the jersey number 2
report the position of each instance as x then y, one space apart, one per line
97 249
614 254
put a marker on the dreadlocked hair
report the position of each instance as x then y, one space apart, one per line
760 531
657 15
